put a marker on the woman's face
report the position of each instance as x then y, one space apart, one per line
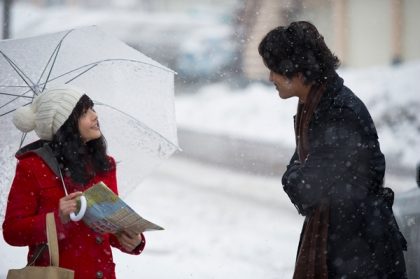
89 126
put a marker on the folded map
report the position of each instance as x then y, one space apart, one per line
108 213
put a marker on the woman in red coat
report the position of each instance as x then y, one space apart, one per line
72 147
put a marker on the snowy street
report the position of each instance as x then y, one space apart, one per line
220 199
218 224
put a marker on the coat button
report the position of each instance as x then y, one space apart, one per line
99 274
99 240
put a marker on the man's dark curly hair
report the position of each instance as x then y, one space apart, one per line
81 161
298 48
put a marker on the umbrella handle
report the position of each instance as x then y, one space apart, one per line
83 205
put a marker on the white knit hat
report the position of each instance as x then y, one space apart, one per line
48 111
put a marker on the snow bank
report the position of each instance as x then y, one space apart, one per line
257 113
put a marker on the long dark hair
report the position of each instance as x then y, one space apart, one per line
298 48
78 160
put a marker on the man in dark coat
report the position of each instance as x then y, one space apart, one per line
335 177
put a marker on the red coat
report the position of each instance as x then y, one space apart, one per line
35 191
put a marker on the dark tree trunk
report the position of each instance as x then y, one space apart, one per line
6 18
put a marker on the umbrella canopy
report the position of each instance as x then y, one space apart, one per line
133 95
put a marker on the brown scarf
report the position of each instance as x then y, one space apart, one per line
311 262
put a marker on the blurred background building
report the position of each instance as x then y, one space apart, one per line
361 33
218 39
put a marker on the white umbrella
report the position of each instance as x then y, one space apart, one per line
133 95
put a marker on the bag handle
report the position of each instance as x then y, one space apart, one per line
52 240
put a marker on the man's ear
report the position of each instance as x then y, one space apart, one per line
301 77
304 80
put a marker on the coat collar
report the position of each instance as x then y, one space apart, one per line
332 88
335 84
42 149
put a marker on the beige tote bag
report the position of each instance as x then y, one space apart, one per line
45 272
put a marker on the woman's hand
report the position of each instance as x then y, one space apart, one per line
67 205
129 241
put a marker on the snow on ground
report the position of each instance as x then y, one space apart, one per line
257 113
221 224
218 224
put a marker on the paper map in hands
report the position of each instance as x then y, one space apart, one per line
107 213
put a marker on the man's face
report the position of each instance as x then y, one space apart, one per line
287 87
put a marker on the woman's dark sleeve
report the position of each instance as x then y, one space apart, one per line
334 151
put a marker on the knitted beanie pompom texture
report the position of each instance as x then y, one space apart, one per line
48 111
24 119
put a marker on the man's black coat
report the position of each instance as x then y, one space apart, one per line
345 167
